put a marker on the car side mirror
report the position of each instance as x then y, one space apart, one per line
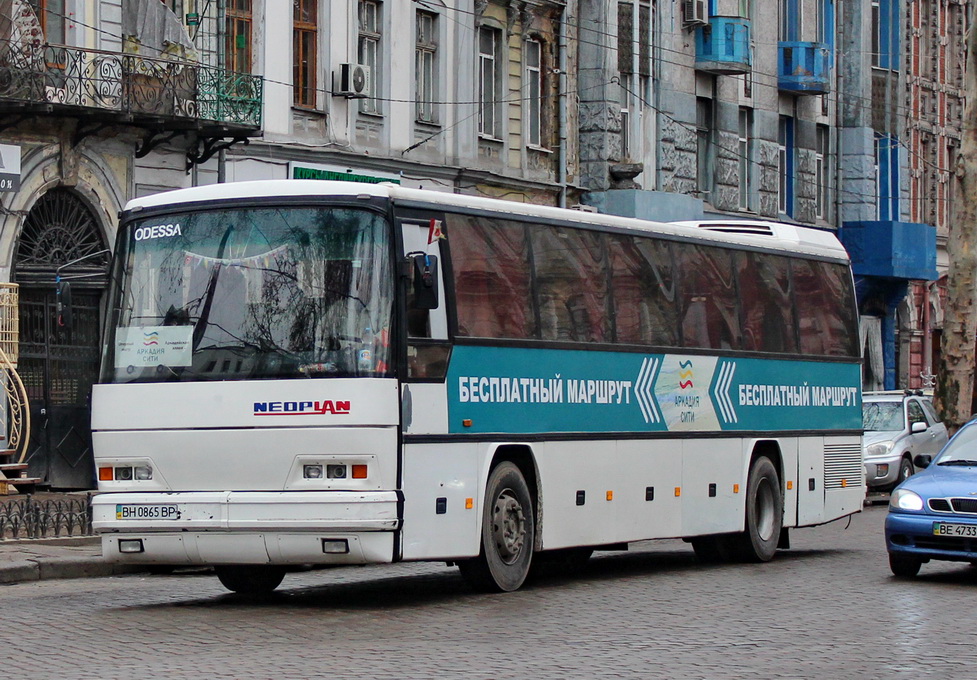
918 427
922 460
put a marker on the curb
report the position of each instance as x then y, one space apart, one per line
45 568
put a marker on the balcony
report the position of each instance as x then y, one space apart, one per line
723 46
804 67
891 249
112 88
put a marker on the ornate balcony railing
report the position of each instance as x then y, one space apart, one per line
137 89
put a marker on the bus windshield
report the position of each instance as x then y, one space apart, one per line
252 293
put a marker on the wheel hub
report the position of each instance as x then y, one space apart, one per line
508 526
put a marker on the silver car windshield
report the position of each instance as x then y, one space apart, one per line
883 416
253 293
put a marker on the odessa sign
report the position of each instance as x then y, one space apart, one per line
9 167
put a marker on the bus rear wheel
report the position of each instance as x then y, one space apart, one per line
508 533
250 579
764 514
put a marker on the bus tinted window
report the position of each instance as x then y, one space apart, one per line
492 283
572 282
644 291
826 323
765 301
708 292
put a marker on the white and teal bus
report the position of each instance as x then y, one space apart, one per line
311 372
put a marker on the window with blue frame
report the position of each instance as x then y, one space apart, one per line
887 177
885 34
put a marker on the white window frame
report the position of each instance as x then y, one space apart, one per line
426 67
369 50
533 57
821 151
489 85
745 150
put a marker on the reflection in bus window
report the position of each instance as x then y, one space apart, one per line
764 288
572 284
643 284
825 327
709 310
492 284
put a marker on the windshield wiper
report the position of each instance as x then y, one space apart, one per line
958 462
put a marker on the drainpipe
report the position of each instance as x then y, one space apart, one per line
561 161
222 61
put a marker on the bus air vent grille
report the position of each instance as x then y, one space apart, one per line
842 466
735 228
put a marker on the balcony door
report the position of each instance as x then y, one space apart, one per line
58 361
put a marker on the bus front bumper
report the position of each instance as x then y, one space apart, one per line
238 527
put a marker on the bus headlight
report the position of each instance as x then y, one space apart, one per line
312 471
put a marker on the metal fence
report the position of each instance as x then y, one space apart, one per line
28 517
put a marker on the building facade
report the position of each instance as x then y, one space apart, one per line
839 116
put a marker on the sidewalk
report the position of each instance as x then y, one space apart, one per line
63 557
46 558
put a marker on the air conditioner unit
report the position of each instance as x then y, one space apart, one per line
696 12
352 81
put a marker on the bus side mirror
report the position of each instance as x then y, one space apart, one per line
425 280
63 305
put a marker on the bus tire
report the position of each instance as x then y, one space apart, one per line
250 579
508 533
764 514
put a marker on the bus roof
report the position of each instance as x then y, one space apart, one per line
755 233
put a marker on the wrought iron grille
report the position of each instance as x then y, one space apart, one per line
128 84
27 517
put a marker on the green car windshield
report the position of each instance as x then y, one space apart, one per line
252 293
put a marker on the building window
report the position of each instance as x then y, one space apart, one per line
821 171
885 34
51 15
368 51
876 34
489 82
237 44
644 49
534 92
785 143
745 154
625 66
426 67
887 177
703 128
790 20
304 32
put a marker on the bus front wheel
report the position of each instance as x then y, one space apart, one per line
508 533
764 513
250 579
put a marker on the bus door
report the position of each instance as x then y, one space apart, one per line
425 318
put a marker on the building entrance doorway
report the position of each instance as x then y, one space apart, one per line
58 361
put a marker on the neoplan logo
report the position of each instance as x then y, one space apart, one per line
300 408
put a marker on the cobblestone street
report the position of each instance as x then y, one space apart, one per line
828 608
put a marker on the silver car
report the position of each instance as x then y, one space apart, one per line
898 425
